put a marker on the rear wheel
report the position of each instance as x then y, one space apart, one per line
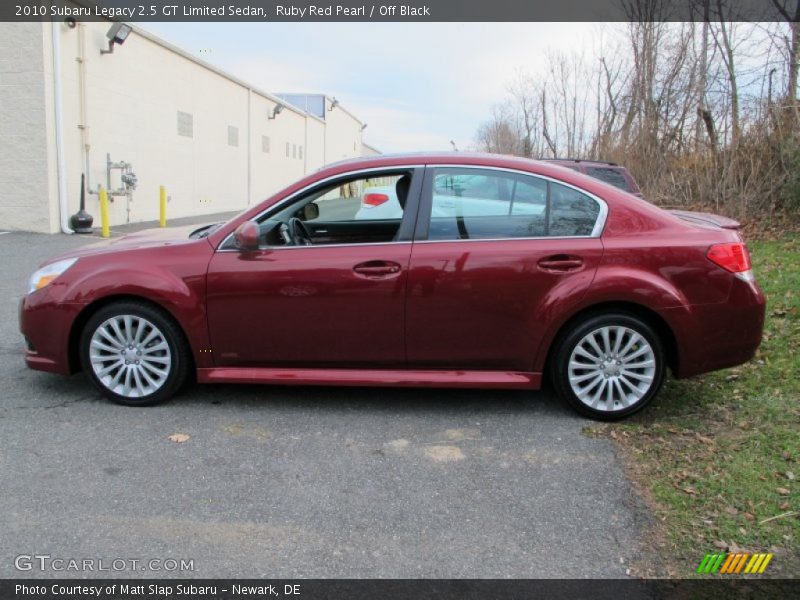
609 366
134 353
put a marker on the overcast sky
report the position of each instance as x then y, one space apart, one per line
417 86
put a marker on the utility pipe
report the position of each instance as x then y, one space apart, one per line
58 113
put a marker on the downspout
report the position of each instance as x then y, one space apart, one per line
305 144
249 148
63 207
84 111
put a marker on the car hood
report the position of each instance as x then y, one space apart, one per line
703 218
148 238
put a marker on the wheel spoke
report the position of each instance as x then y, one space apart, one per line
157 348
584 352
604 334
641 365
618 333
593 343
634 339
109 337
102 346
645 378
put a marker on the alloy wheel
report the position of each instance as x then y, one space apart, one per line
130 356
612 368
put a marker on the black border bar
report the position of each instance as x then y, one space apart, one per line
393 10
396 589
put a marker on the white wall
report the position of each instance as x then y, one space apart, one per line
127 106
24 183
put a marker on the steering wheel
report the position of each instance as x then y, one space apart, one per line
296 233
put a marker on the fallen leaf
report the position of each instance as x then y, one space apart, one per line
731 510
784 506
783 491
178 438
720 544
703 439
789 475
748 516
689 490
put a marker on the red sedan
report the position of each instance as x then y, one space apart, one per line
496 272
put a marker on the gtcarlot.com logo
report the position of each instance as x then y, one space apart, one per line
46 562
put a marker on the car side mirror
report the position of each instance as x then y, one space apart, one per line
246 237
310 211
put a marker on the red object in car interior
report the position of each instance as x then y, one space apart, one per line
375 199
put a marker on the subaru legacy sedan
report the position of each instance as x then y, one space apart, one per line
488 272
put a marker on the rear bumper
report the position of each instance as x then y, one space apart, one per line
718 336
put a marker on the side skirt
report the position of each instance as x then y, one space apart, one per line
363 377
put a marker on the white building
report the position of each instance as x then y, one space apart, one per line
215 142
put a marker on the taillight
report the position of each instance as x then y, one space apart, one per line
732 257
374 199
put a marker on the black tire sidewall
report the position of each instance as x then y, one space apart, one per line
172 335
559 367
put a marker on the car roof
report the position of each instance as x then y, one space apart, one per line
445 158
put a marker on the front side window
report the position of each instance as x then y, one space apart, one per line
489 204
363 209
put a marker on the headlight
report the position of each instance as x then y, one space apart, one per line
47 274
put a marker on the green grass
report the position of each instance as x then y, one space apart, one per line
717 455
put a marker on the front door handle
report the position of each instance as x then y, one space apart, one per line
561 263
377 269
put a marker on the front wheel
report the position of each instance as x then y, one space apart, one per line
134 353
608 367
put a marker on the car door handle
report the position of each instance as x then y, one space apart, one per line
376 269
561 263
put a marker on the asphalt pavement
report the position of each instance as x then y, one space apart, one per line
299 482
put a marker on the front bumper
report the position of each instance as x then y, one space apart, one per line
46 325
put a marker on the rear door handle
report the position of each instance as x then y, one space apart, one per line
377 269
561 263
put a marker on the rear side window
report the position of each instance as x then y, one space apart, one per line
571 212
612 176
485 204
490 204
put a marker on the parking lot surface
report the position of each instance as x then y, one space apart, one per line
301 482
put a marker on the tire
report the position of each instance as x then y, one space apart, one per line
134 353
626 357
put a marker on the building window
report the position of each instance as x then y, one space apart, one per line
185 124
233 136
300 152
265 143
294 150
288 149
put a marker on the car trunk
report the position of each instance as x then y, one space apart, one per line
702 218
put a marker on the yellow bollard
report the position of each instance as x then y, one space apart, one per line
104 213
162 207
